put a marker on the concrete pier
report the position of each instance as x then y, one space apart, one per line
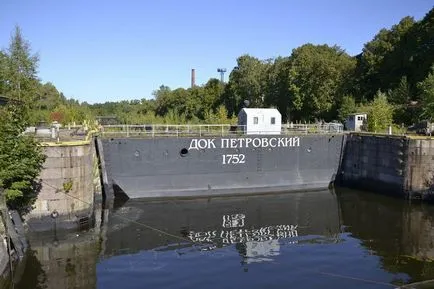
402 166
70 183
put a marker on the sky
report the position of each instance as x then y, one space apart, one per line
98 51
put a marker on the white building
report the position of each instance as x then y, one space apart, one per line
260 121
354 121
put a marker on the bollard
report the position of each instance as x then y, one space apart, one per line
390 130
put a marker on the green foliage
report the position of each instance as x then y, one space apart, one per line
376 60
348 106
426 88
401 97
380 113
247 82
20 69
67 186
21 158
277 87
316 79
16 190
404 50
220 116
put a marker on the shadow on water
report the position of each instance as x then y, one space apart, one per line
400 233
60 260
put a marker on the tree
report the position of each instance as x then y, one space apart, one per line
348 106
426 88
419 48
316 79
4 61
380 113
246 82
376 60
277 87
213 90
21 158
21 69
165 100
400 98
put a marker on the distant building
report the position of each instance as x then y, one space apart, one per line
260 121
354 121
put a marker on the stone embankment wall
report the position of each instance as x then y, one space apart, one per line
70 183
397 165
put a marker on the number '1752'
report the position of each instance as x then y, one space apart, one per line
234 159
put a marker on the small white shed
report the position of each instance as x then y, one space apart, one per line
354 121
260 121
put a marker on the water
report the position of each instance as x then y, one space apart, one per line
342 239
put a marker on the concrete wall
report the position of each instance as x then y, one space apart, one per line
374 163
73 164
400 166
420 169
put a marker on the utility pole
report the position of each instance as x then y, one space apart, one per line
222 74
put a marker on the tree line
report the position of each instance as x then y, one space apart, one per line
392 78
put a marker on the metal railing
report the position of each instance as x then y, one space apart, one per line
169 130
61 136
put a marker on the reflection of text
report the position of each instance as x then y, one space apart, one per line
233 221
244 235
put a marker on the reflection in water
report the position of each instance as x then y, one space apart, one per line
273 241
61 261
256 222
399 232
256 243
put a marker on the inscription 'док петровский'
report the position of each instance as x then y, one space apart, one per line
235 143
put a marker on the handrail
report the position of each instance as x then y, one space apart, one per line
181 130
213 129
85 141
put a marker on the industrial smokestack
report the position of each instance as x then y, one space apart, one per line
193 78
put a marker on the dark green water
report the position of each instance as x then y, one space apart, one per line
341 239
